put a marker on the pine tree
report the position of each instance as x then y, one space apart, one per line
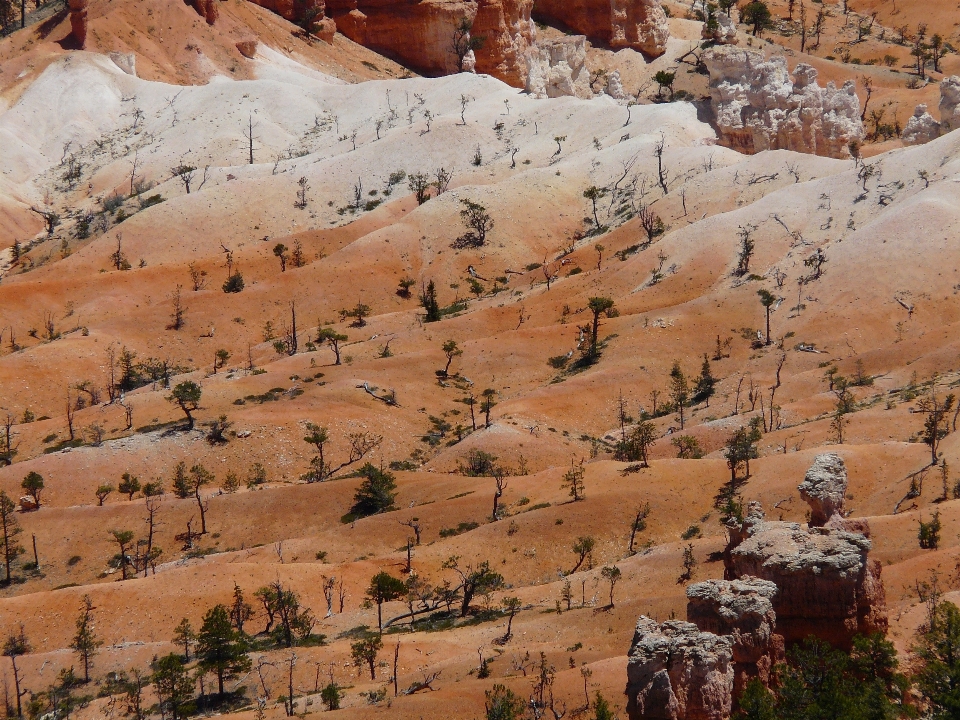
428 299
220 648
9 531
173 684
86 643
705 384
376 492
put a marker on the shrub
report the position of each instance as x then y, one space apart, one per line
234 283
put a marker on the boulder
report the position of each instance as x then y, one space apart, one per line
743 610
759 107
78 21
824 488
677 672
950 103
558 68
921 128
325 30
248 47
827 586
637 24
27 504
509 35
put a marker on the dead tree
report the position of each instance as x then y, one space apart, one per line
413 524
661 172
499 476
248 134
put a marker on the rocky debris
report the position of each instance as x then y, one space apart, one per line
510 34
722 31
827 586
675 671
824 487
758 107
325 30
615 86
558 68
921 128
293 10
950 103
743 610
27 504
78 21
637 24
248 47
125 61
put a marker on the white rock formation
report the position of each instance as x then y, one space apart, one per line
950 103
758 107
640 24
556 68
824 487
725 32
615 86
921 128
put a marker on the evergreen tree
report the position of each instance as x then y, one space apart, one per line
365 651
679 390
86 643
220 648
376 492
9 531
756 703
184 635
173 685
938 651
384 588
503 704
240 610
33 485
428 299
705 384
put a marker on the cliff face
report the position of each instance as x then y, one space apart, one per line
419 35
509 36
558 67
742 610
759 107
827 586
784 582
675 671
637 24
